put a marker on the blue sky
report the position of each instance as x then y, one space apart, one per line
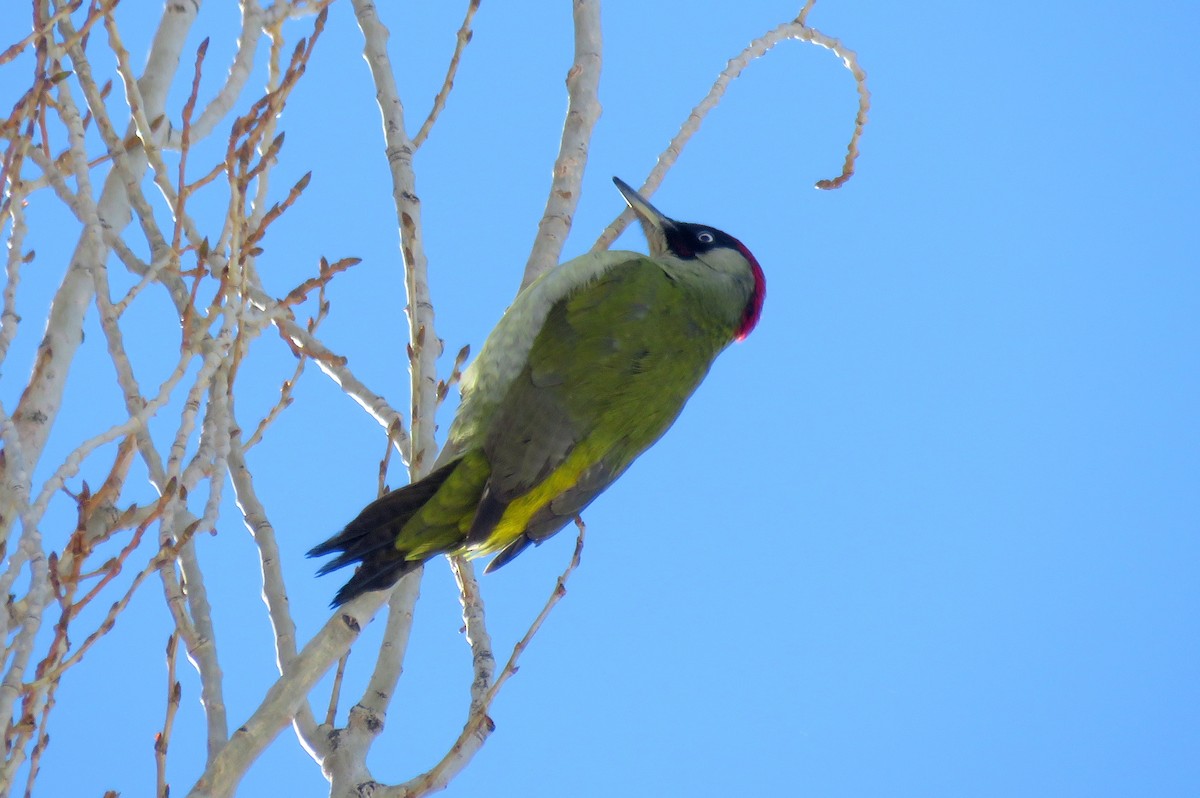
932 530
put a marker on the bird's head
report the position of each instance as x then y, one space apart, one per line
718 250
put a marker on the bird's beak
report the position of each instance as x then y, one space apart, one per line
654 223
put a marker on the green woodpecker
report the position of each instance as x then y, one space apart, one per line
588 367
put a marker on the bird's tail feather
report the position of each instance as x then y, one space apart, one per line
370 539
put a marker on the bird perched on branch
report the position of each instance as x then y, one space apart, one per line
588 367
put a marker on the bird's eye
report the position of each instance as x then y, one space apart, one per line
705 237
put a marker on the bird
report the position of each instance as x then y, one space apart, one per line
589 366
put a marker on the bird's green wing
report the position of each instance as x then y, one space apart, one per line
608 373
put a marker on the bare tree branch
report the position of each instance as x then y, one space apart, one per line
424 346
583 109
796 29
284 697
274 589
439 102
479 725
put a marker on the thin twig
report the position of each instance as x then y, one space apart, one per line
483 660
162 740
189 108
479 725
439 102
274 589
455 377
326 273
796 29
335 693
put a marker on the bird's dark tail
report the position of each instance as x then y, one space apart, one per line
371 538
